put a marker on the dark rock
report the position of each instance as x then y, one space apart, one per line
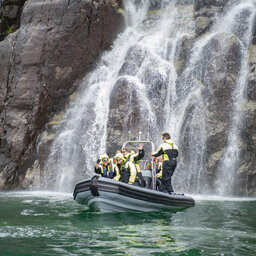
254 32
10 11
5 48
205 13
203 25
199 4
248 149
251 92
216 74
133 59
184 46
121 123
43 61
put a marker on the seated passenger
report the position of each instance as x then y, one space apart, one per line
135 158
148 166
132 154
113 159
159 173
127 170
157 163
107 169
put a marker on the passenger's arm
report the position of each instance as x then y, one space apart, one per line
139 155
97 169
117 177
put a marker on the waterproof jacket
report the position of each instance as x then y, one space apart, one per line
168 149
128 172
135 158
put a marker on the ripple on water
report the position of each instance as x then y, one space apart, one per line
29 212
25 232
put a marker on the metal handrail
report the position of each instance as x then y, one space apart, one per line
138 142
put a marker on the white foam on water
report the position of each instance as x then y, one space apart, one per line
43 194
221 198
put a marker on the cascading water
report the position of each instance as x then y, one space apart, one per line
150 81
83 136
192 108
231 157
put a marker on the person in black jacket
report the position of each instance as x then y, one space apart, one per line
169 151
127 170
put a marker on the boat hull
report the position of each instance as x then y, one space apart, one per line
106 195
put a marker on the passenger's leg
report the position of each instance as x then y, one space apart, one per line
136 183
141 180
125 176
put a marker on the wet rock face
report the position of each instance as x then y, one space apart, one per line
126 113
40 66
222 65
10 11
222 68
199 4
205 12
246 180
254 33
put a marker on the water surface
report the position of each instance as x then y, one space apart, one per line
45 223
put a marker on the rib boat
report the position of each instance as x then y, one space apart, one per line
106 195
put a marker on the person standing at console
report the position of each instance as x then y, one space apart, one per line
170 152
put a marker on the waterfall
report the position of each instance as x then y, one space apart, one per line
83 137
192 109
231 158
156 78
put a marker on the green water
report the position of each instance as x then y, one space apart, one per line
39 223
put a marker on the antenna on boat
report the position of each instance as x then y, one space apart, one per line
140 133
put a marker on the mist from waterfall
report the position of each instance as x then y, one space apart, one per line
146 56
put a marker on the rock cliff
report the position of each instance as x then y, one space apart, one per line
41 64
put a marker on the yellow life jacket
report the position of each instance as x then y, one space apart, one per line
160 174
137 165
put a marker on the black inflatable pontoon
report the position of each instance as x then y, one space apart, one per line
105 195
